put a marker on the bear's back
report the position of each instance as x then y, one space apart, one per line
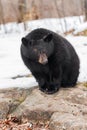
38 34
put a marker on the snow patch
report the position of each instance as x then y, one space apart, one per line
80 28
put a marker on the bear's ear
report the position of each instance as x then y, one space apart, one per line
24 41
48 37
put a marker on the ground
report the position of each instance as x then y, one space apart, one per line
66 109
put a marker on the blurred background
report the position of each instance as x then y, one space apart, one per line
26 10
22 10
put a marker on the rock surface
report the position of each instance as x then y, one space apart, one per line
65 110
66 121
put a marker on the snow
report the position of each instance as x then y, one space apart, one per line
55 24
11 64
80 45
81 28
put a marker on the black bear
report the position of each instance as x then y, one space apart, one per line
51 59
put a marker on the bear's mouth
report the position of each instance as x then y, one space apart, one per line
43 59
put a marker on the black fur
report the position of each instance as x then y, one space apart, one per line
51 59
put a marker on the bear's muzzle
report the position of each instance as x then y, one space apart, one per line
43 59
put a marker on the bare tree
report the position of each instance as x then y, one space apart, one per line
63 12
59 15
22 11
85 9
2 16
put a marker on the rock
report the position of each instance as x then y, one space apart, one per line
4 109
40 106
66 121
10 99
65 110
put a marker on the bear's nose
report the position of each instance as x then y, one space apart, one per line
43 59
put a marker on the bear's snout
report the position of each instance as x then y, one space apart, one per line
43 59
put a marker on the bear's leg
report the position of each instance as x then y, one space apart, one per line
54 81
47 85
43 86
70 79
39 78
74 72
65 78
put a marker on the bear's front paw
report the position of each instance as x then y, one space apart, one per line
49 90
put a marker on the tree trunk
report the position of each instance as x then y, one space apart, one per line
86 10
2 17
22 11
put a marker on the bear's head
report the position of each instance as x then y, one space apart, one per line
38 50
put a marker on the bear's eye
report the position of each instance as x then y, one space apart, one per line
35 50
30 43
